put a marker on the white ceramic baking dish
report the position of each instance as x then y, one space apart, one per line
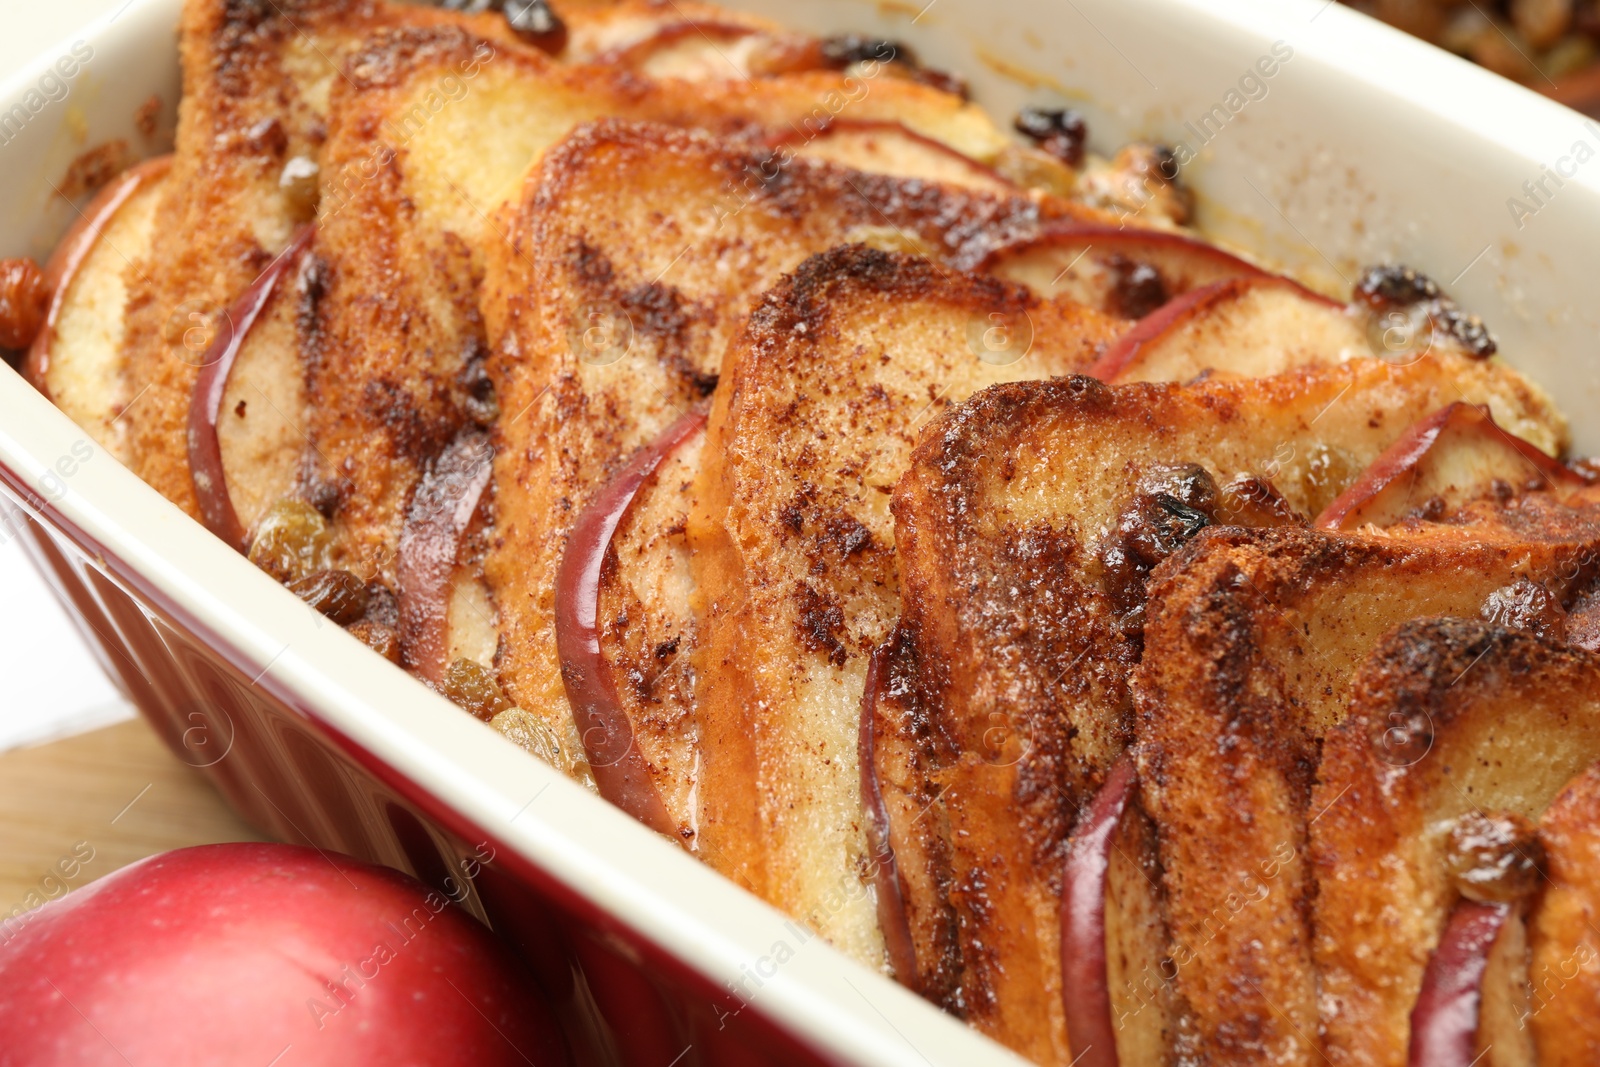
1360 145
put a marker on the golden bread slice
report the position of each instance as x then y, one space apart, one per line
1450 720
793 550
405 214
1563 1012
76 360
1250 642
633 252
1025 528
250 130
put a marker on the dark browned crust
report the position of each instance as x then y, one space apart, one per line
394 367
1448 716
1250 642
824 393
1026 654
598 225
242 116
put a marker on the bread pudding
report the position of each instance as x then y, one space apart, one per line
1138 653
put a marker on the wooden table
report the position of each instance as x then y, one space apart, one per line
114 796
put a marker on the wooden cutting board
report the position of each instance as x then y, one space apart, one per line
76 810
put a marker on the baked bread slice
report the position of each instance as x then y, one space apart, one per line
1450 720
1564 948
793 549
1251 641
250 130
1025 528
396 367
633 253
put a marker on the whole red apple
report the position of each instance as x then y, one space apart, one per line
255 954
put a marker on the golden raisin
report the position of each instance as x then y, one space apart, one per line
533 735
339 595
381 638
472 686
24 298
292 541
1494 858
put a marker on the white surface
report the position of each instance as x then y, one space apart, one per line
52 687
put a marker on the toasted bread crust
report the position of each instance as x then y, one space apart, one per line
1000 522
396 368
256 79
825 389
1251 640
636 227
1448 716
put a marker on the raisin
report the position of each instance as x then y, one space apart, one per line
1526 605
472 686
535 23
1474 336
944 81
1138 288
292 541
1060 132
531 20
847 48
384 640
1172 506
339 595
1392 285
1495 858
533 735
24 298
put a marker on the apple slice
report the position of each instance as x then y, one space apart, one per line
1113 938
205 404
1124 272
876 146
1453 456
76 358
620 769
1445 1020
1244 327
708 50
440 514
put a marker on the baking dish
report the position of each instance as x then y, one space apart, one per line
1359 145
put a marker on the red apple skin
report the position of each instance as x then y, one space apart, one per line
1444 1023
233 954
205 402
899 945
1086 995
1183 307
1183 262
620 769
796 137
1412 449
